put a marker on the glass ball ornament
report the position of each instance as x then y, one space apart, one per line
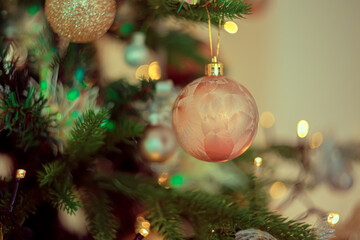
253 234
159 144
136 53
80 20
215 119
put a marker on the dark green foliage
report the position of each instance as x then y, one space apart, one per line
227 9
87 135
178 46
102 223
205 212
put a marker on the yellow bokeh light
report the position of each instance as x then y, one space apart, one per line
302 128
145 225
316 140
144 232
163 178
140 219
333 218
142 72
267 119
258 161
154 71
230 27
20 173
277 190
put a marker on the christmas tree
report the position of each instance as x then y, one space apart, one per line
104 154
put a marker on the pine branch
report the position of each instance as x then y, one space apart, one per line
165 219
124 130
227 9
87 136
215 212
55 182
101 223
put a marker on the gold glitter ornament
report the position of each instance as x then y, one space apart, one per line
80 20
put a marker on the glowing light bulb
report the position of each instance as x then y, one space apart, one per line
267 119
142 226
231 27
316 140
154 71
277 190
258 161
163 178
333 218
20 173
144 232
302 128
142 72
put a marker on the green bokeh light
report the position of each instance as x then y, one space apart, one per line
75 114
109 125
73 94
79 75
43 85
58 116
177 180
127 28
33 9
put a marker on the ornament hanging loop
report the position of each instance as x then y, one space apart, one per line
215 68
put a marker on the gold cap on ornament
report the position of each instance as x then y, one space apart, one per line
214 68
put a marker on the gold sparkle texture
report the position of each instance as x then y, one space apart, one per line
80 20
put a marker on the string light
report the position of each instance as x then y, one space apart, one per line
154 71
277 190
267 119
316 140
20 173
142 72
258 161
163 178
142 226
302 128
333 218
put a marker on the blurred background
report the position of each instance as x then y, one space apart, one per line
301 61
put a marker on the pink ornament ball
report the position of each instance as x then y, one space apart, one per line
215 119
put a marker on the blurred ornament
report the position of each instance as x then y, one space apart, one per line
158 144
189 69
73 223
136 53
215 118
322 229
6 166
253 234
17 52
80 20
333 167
